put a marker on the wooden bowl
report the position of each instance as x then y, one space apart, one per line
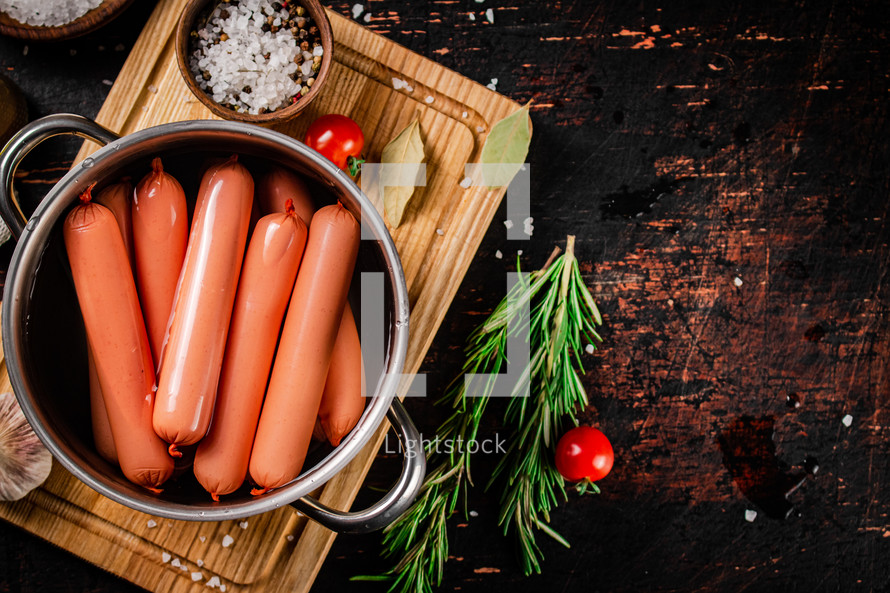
190 15
92 20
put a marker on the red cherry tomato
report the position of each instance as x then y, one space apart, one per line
339 139
584 453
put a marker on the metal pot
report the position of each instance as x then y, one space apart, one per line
43 336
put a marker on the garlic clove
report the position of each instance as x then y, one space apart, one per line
24 461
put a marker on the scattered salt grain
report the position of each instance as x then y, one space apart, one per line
176 563
489 15
429 99
847 420
589 349
737 281
479 1
357 10
213 582
750 515
144 109
151 523
47 13
367 17
120 47
165 556
498 254
465 115
480 129
203 538
493 85
197 576
107 82
519 252
290 537
440 232
243 524
466 182
472 16
152 89
200 563
222 588
474 513
398 83
184 568
527 226
228 540
508 223
25 51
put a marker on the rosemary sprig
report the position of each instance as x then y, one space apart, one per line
562 314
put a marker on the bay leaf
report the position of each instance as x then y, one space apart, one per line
402 159
506 147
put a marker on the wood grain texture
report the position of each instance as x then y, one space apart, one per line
665 152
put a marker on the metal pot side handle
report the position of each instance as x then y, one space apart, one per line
396 501
24 141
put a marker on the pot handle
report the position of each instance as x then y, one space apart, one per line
24 141
396 501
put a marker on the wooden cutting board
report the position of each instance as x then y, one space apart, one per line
280 551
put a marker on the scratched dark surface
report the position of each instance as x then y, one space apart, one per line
725 168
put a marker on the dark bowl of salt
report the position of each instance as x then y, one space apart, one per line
255 61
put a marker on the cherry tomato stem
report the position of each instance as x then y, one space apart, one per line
339 139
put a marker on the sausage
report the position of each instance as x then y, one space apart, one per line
277 186
117 197
342 402
267 280
343 399
160 235
103 281
102 437
304 352
192 357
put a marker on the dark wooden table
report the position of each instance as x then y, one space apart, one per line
725 168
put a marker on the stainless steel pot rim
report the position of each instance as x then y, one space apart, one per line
29 249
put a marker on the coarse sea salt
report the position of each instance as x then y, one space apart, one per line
227 541
47 13
213 582
246 68
197 576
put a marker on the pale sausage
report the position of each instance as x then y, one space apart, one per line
160 234
343 400
277 186
304 352
102 437
118 198
267 280
115 329
342 403
192 357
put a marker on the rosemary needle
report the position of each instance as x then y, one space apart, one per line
563 313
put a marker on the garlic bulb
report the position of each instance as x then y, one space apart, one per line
24 461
